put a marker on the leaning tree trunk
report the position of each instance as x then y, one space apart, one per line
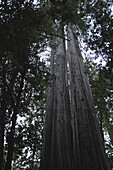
88 143
57 152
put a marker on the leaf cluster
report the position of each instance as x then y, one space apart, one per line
100 38
24 77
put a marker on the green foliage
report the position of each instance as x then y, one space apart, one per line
100 38
24 78
25 31
27 99
101 86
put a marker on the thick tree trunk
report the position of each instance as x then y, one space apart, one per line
57 150
72 138
86 133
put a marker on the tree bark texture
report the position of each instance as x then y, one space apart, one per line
57 147
87 136
72 138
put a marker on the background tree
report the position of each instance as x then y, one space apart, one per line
102 94
21 72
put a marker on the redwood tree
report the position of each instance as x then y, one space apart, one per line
72 138
89 139
57 150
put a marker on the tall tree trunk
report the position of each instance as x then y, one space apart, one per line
72 138
57 150
11 143
86 133
3 106
14 118
2 127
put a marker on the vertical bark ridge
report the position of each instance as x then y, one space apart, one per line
57 146
86 134
72 138
47 136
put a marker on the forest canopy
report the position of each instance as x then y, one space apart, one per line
27 29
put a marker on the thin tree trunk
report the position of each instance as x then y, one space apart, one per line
14 118
110 129
11 143
2 127
2 124
2 116
86 133
57 147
